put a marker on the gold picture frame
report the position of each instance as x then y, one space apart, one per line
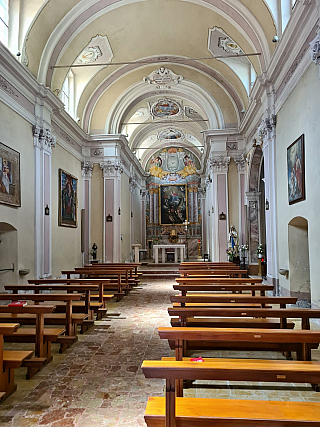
68 197
173 204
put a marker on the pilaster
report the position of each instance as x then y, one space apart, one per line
240 161
43 141
87 168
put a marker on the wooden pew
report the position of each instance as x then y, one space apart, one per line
208 265
40 336
128 272
71 286
116 284
283 340
132 267
173 411
7 366
217 280
197 273
209 300
225 287
48 298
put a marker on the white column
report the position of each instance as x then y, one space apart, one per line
43 142
163 255
143 194
112 170
87 168
176 255
156 254
181 254
241 162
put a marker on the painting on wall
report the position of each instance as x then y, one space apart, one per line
68 194
296 171
9 176
173 209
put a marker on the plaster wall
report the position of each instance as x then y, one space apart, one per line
300 114
17 134
125 218
66 241
96 230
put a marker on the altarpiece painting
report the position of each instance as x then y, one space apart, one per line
173 204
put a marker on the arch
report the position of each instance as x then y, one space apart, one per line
299 267
217 77
8 254
255 167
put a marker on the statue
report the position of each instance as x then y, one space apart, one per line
94 251
233 239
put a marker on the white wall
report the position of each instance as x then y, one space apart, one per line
66 241
300 114
125 218
17 134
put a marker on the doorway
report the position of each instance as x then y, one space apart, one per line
8 255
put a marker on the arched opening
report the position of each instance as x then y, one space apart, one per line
8 255
299 269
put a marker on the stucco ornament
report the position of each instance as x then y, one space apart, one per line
229 45
315 49
163 78
89 54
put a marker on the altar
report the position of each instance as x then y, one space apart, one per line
164 247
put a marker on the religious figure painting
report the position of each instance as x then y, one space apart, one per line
173 204
9 176
68 194
165 108
296 171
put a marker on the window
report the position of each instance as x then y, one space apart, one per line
4 21
67 94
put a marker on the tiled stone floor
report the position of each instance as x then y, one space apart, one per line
98 382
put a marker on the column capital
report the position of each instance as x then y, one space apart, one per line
112 168
202 192
133 183
153 190
240 161
253 196
219 163
43 138
315 49
87 168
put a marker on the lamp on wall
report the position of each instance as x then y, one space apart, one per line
267 205
119 211
222 216
47 210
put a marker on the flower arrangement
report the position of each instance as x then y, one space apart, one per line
230 253
260 250
243 249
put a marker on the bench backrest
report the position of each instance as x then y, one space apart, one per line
232 298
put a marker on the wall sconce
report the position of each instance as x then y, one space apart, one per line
131 214
47 210
222 216
212 209
267 205
109 218
119 211
209 212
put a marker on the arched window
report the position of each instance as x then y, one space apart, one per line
67 94
4 21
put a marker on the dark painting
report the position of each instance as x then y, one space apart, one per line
173 204
9 176
68 193
296 173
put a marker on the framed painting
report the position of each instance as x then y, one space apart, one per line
296 171
10 193
173 204
68 194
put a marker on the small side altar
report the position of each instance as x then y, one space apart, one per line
163 248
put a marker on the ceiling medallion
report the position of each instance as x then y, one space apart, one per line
171 134
163 78
88 55
165 107
229 46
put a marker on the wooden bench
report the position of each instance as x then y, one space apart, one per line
209 300
173 411
7 385
284 340
184 289
12 360
40 336
133 274
197 273
217 280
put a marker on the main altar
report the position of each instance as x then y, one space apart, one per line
163 248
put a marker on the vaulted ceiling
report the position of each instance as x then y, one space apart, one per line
138 37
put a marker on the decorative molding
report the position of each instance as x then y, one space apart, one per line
163 78
87 168
231 146
133 183
240 161
219 164
111 168
143 194
7 87
202 193
88 55
315 49
43 138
